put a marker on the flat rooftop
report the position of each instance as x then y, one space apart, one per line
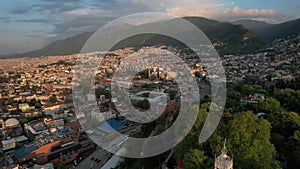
111 125
44 139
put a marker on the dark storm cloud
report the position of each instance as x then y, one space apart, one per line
60 19
32 20
91 23
110 4
61 1
55 13
19 10
34 36
77 26
120 7
4 19
54 8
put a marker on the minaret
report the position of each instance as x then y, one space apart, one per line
223 161
2 124
3 127
149 73
166 74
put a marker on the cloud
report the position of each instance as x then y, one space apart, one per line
78 29
30 20
5 19
53 8
34 36
88 12
173 2
19 43
163 4
19 10
226 14
60 1
214 9
78 25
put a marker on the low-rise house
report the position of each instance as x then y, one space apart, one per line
31 113
54 123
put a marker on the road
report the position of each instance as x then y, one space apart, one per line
100 154
103 155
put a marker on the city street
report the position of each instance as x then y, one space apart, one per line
96 160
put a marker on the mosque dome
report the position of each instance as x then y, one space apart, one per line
11 122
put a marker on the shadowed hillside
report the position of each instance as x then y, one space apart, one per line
231 39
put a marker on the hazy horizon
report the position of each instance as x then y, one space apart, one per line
28 25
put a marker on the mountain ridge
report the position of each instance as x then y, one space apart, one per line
253 24
270 32
236 37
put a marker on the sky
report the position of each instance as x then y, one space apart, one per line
27 25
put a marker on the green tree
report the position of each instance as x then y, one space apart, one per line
270 105
10 101
233 98
248 89
144 104
99 92
23 120
53 98
172 94
198 74
284 123
61 166
38 105
146 95
249 139
285 126
194 159
290 98
191 140
144 74
294 151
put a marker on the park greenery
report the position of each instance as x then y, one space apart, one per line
270 141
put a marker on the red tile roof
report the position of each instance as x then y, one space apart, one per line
74 125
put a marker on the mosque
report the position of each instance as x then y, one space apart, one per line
11 128
223 161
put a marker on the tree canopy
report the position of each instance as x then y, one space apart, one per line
249 139
194 159
270 105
